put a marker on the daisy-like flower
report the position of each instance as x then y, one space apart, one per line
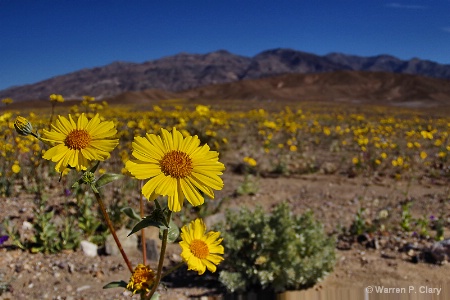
200 249
177 167
141 280
78 143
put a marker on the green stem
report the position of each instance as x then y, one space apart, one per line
174 268
161 257
144 246
113 232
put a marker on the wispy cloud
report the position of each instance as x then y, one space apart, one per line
405 6
446 29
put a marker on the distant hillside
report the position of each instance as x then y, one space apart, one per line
188 71
343 86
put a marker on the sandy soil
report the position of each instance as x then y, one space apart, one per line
335 199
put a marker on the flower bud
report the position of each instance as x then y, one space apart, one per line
23 126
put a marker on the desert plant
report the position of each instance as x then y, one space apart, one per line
406 217
69 235
248 187
46 235
276 251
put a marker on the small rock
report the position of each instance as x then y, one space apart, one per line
71 268
129 243
27 225
82 288
89 249
440 251
328 168
212 220
151 247
175 258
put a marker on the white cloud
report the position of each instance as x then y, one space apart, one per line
405 6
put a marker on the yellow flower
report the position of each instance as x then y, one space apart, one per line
202 110
141 280
15 168
177 167
200 249
78 143
423 155
56 98
7 101
88 98
250 161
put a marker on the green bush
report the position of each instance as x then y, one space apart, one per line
275 251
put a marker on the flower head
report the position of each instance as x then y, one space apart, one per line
141 280
78 143
56 98
7 101
200 249
177 167
250 161
23 126
3 239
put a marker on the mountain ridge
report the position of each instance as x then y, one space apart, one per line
186 71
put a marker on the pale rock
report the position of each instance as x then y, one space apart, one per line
215 219
89 249
27 225
129 243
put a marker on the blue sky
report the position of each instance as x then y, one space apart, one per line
40 39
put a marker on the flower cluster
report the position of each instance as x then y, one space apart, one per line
176 167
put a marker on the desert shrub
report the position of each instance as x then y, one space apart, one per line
276 251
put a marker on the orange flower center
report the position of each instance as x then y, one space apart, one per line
141 279
176 164
142 275
77 139
199 249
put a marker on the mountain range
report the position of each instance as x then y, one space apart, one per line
187 74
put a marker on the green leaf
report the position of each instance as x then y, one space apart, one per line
94 188
116 284
107 178
94 168
155 296
146 222
131 213
173 233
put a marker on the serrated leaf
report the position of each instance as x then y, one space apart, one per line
107 178
131 213
173 233
116 284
